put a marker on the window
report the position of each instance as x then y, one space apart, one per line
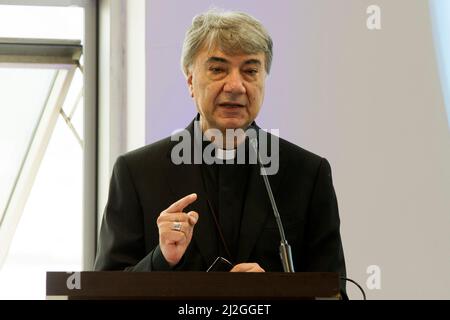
44 133
440 17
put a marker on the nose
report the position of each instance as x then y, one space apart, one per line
234 83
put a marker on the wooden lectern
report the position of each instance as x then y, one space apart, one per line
192 285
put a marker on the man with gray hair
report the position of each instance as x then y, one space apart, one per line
165 214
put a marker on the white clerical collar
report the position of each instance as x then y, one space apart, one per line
225 154
222 154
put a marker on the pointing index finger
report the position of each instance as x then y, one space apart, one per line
182 203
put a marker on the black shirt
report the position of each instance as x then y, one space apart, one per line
226 186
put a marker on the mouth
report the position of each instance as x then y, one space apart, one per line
231 105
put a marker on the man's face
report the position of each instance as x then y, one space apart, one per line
228 89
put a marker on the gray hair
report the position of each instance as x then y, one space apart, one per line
232 32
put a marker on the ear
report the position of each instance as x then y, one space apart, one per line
189 82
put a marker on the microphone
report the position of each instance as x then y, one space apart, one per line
285 248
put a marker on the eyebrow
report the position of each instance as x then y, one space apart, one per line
253 61
217 59
223 60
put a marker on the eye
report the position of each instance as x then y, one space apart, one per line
216 70
251 72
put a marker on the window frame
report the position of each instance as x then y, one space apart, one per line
90 84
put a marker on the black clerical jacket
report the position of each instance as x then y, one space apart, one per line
145 182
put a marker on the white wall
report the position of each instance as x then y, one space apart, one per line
370 101
122 78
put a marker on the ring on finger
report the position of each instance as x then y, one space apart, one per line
176 226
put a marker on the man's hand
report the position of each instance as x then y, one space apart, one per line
247 267
175 229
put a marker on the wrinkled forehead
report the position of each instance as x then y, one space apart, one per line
217 50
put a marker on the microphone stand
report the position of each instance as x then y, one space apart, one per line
285 248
